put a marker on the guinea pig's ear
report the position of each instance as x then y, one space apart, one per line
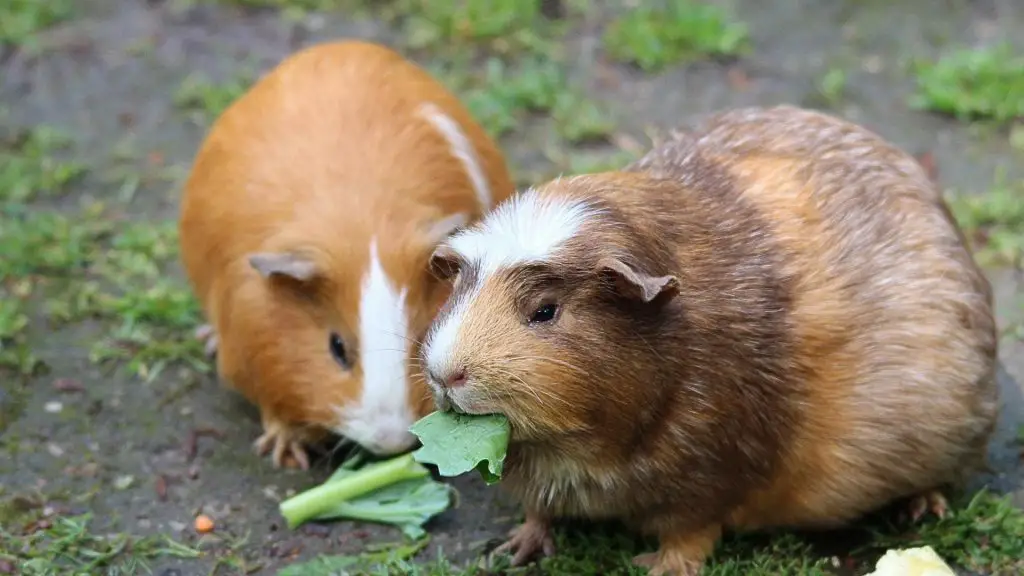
635 284
444 262
287 264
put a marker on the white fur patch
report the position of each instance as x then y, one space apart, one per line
526 228
461 148
381 417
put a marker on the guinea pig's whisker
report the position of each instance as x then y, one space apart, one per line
532 390
404 337
555 361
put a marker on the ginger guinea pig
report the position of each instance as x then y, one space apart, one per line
769 321
307 226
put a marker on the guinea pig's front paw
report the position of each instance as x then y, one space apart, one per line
284 441
668 564
930 501
680 554
531 537
208 336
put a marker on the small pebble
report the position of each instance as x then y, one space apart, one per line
54 450
54 407
67 385
177 526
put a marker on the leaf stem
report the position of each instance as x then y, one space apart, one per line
312 502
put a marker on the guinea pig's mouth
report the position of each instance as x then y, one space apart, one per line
445 402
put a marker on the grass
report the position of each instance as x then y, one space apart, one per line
653 37
66 546
506 95
85 264
973 83
501 26
984 534
31 164
993 222
22 20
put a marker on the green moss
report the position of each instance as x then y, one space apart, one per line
654 36
985 82
993 222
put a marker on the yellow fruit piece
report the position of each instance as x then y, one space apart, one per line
912 562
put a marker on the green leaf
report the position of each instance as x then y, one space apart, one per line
407 505
458 443
398 491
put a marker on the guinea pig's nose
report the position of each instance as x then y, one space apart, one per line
448 379
455 378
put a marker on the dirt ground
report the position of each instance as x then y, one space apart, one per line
109 76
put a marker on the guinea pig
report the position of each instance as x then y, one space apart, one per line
770 321
306 229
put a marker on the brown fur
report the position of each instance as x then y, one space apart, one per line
321 155
827 345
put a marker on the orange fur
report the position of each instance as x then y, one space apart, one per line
323 155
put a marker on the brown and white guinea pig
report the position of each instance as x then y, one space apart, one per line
770 321
307 226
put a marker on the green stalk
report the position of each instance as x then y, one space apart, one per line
315 501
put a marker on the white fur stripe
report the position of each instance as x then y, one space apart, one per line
461 148
381 418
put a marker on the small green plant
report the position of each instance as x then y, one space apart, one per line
45 243
30 165
993 222
979 83
15 353
654 37
501 25
580 119
22 20
832 85
506 93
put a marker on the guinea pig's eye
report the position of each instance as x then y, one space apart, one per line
338 349
545 313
